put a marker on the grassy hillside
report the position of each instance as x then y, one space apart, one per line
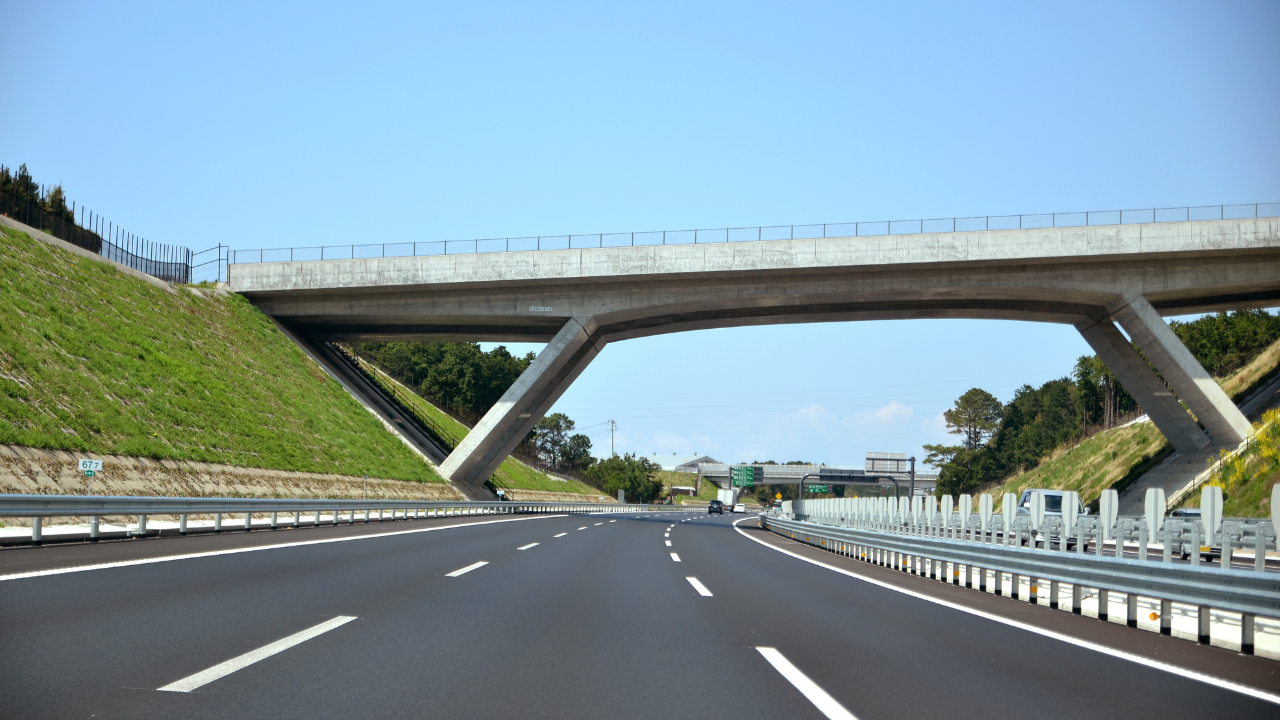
94 360
511 473
1247 479
1123 453
1092 466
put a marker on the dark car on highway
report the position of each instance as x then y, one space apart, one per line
715 506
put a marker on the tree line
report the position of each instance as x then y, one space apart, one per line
999 439
24 188
466 381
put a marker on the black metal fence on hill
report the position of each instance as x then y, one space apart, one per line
171 263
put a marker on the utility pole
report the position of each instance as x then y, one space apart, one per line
612 427
913 476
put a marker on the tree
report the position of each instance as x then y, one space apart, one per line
552 436
576 453
975 417
634 476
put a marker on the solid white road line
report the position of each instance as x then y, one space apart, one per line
526 547
697 585
204 677
819 697
467 569
675 557
236 551
668 542
1156 664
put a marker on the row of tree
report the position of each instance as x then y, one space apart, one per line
999 439
24 188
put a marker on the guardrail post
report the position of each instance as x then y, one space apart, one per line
1166 553
982 579
1033 590
1014 583
182 524
1142 542
1226 549
1246 633
142 525
37 526
1077 596
999 580
93 528
248 522
275 520
1195 545
217 522
1203 613
1104 605
1131 610
1054 590
366 516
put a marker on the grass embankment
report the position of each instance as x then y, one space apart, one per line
94 360
1246 479
1117 456
511 473
1094 465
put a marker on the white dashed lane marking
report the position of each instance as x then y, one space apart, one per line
584 527
526 547
675 557
560 535
826 704
463 571
668 543
697 585
204 677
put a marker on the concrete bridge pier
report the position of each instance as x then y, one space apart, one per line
525 403
1128 366
1185 375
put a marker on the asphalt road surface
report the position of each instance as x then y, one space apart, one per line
563 617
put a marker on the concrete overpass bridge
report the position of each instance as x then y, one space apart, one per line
578 300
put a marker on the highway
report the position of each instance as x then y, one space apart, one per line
563 617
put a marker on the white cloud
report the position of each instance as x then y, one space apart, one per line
892 414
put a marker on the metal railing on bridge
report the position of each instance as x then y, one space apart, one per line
755 234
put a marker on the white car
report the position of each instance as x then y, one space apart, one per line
740 508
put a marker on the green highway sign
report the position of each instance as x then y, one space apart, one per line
817 488
88 473
743 476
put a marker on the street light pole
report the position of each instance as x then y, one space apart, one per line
913 476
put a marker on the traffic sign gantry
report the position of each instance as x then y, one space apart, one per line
746 475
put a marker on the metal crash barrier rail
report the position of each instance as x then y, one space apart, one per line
38 507
1104 552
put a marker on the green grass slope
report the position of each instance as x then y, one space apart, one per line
94 360
511 473
1246 480
1120 455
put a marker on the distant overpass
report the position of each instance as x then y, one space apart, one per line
577 300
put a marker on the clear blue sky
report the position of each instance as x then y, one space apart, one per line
270 125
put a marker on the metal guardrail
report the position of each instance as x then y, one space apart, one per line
914 535
756 234
1236 590
39 507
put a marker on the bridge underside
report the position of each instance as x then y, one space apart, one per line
579 301
574 342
